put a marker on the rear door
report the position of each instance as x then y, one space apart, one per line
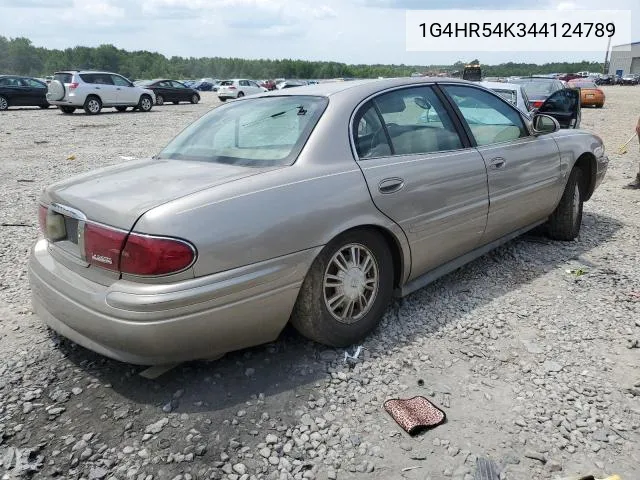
523 170
422 174
564 106
101 84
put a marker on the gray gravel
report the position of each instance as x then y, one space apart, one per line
532 351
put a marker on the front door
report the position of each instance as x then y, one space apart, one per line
127 94
35 92
564 106
421 174
523 170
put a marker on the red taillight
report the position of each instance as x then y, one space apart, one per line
73 86
148 255
231 88
538 103
599 91
134 253
103 246
42 219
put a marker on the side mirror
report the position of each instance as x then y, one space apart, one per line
544 124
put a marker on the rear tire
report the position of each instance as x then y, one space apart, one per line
339 306
145 104
92 105
240 95
222 99
159 100
67 110
4 102
121 109
195 99
564 223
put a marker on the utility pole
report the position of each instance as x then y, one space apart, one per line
606 58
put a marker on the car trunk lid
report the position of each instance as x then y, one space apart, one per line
118 196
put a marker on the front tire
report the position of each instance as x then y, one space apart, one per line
346 290
195 99
159 100
145 104
4 103
564 223
92 105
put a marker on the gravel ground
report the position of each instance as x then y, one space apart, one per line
532 351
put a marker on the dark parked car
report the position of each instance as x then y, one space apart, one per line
538 89
605 80
171 91
629 80
203 86
22 92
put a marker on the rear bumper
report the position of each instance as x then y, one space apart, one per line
153 324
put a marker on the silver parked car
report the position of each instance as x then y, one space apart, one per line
313 205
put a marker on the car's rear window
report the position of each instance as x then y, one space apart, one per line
509 95
583 84
63 77
257 132
535 88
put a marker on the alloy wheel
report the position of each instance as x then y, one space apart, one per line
350 284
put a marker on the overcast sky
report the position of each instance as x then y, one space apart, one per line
351 31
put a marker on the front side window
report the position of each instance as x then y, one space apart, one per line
257 133
119 81
490 119
417 122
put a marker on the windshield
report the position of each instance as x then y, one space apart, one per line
257 132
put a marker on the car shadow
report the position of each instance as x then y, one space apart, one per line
289 369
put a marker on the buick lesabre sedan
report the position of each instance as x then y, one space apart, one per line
313 205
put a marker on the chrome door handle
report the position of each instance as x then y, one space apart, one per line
390 185
497 162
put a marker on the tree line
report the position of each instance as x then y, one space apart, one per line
19 56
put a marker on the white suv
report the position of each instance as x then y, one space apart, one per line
237 88
94 90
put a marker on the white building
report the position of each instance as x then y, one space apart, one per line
625 59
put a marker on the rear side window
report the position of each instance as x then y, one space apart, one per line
63 77
262 132
226 83
415 121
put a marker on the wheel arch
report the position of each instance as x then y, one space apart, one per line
589 167
398 248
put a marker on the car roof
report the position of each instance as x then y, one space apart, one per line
362 87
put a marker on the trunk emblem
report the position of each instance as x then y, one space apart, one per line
102 259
